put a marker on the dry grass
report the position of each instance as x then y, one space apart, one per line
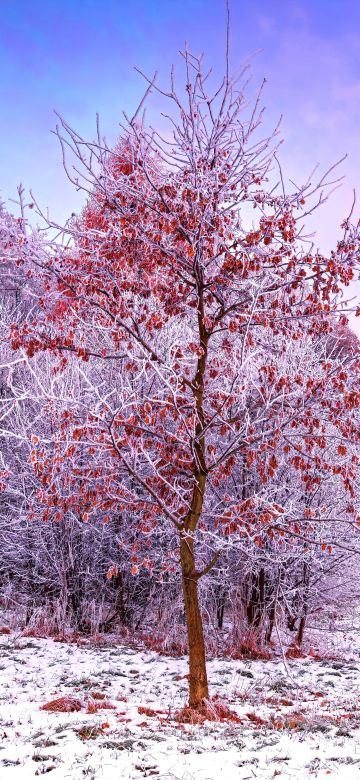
63 704
294 651
214 709
95 706
149 712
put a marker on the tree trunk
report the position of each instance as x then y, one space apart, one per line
198 685
271 618
120 601
256 603
301 629
220 608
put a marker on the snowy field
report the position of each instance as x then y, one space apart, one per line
299 722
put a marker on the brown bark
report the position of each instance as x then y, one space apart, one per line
271 618
198 685
256 605
305 598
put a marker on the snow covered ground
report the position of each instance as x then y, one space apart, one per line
297 723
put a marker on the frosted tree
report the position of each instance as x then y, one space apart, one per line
192 312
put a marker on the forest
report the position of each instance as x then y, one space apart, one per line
179 392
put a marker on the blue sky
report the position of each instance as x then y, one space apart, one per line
78 58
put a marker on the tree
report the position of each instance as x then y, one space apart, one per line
195 314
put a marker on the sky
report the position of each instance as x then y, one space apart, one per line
78 58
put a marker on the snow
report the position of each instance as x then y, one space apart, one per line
311 714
